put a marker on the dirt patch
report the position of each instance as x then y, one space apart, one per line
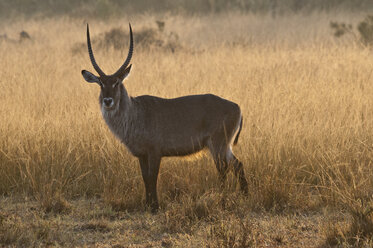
23 223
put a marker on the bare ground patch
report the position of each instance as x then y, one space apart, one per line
93 223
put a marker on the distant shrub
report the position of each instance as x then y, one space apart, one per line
148 37
340 28
23 37
364 29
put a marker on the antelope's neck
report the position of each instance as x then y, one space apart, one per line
120 118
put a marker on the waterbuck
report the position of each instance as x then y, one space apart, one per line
152 127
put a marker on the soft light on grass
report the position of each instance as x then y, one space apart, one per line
306 142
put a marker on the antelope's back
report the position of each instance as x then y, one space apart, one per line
183 125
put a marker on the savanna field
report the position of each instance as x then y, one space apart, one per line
306 143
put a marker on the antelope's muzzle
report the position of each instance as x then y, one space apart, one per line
108 102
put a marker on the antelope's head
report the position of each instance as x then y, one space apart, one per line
111 85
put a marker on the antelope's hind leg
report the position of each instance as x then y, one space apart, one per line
238 170
216 149
224 158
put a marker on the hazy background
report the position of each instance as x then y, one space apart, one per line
115 8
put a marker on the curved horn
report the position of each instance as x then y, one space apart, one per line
129 56
93 61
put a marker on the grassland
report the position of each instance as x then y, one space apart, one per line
306 142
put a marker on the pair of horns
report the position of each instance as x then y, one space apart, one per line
95 65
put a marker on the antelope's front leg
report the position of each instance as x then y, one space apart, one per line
149 169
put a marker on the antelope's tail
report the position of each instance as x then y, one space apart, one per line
239 131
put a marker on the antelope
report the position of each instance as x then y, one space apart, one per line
152 127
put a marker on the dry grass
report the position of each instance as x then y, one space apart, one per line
306 142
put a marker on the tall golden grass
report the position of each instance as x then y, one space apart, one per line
306 100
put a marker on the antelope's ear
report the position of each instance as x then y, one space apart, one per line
90 78
125 73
